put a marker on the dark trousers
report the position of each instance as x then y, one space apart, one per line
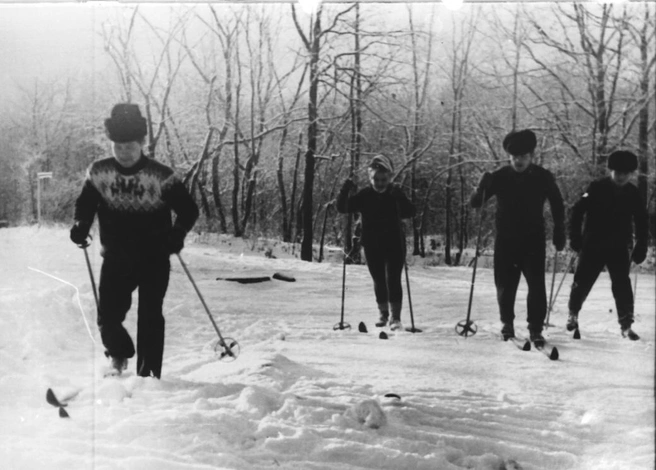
385 266
512 258
592 260
118 279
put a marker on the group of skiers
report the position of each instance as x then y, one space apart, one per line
134 197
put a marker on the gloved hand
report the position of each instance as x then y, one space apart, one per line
486 182
80 233
559 239
348 186
576 244
639 253
175 240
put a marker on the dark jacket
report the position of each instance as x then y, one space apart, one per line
520 202
134 206
381 214
610 211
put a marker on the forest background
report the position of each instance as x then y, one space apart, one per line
265 109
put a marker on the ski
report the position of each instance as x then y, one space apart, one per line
577 334
545 348
520 343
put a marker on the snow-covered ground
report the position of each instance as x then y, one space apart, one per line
302 396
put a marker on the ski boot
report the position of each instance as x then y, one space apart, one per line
573 321
627 332
117 366
507 331
536 338
395 325
382 320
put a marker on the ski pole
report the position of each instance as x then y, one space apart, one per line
551 296
562 280
412 328
342 325
229 350
93 281
635 282
467 326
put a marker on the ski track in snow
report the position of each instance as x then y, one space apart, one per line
302 396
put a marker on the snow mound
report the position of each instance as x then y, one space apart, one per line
368 413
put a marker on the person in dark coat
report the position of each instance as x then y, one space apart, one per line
382 205
521 189
611 207
133 197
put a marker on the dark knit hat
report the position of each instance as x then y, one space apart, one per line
126 123
520 142
381 162
623 160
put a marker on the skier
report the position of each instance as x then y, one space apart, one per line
382 205
611 205
521 189
133 196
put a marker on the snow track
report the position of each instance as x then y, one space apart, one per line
302 396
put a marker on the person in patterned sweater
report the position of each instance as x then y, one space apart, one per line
610 207
134 197
521 189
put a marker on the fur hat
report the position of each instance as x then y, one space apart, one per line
126 123
623 160
381 162
520 142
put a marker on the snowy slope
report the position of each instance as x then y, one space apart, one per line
302 396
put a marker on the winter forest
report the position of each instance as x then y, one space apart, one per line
265 109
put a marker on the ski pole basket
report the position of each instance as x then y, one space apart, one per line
226 348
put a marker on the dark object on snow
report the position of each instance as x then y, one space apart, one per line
545 348
382 335
520 142
392 395
362 328
52 399
245 280
284 277
623 160
126 124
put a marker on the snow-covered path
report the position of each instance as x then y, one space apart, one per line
302 395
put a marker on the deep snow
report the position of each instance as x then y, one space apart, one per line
302 396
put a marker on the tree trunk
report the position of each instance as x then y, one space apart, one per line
643 124
447 217
295 219
216 192
308 185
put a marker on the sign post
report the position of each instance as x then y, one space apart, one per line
40 175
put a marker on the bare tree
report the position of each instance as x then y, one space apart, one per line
459 76
312 43
582 56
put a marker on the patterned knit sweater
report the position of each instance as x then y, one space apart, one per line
134 206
